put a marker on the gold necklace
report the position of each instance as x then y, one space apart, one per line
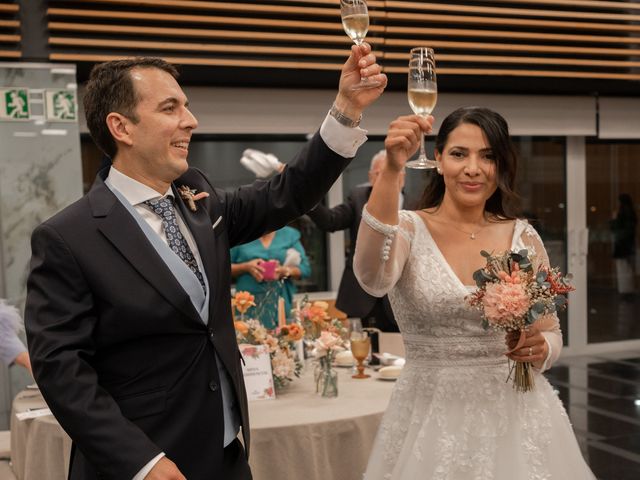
472 235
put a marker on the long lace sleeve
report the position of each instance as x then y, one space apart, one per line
549 324
381 252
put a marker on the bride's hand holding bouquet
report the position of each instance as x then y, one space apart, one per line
534 350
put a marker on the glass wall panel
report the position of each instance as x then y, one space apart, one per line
542 184
613 196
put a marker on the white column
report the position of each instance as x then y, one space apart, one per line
577 240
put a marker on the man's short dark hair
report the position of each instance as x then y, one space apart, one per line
110 89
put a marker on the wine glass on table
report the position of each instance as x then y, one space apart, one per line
360 346
422 90
355 21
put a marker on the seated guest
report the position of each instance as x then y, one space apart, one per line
266 267
12 350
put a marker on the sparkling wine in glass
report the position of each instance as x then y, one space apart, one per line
355 21
422 90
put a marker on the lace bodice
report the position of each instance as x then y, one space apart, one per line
427 297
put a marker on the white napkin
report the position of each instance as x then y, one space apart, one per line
292 258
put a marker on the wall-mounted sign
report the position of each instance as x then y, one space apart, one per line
14 104
62 105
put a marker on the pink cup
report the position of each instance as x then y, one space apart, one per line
269 269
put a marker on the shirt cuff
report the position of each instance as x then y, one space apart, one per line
147 468
545 365
344 141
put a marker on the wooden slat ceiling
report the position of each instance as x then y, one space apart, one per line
9 30
562 39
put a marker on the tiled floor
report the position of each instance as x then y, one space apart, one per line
602 396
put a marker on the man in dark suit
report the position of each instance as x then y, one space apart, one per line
128 308
352 299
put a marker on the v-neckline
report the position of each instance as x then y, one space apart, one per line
267 247
443 260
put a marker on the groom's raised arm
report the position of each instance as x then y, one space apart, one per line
268 205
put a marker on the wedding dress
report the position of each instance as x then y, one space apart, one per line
452 415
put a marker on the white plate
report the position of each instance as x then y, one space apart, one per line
388 379
342 366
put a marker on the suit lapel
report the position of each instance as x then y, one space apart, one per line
119 227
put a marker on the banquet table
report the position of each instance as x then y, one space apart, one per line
299 435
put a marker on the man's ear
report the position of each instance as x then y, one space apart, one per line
120 128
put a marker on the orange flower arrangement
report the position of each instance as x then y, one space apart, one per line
317 312
314 319
293 332
284 364
241 327
243 301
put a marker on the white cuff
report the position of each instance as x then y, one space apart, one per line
147 468
389 232
345 141
545 365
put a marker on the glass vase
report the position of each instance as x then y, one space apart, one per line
327 381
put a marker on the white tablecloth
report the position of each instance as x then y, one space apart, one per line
297 436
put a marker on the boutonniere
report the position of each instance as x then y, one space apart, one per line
190 196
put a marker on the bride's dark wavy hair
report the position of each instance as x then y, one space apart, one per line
504 202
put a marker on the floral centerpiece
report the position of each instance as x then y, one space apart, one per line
512 294
326 346
315 319
325 336
284 363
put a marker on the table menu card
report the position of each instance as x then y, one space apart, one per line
258 379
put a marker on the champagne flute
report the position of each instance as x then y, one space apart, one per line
360 346
422 90
355 21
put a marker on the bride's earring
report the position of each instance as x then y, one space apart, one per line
439 170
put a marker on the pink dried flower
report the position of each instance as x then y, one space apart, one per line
505 303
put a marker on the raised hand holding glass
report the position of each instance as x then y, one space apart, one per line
355 21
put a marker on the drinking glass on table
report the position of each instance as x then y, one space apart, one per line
360 346
422 90
355 21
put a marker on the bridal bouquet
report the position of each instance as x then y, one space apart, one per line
280 342
512 294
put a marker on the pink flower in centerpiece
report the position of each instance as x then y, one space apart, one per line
327 341
504 303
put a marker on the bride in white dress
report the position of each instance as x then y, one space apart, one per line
452 415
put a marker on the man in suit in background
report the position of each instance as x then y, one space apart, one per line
352 299
128 311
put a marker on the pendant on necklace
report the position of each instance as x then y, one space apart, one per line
472 236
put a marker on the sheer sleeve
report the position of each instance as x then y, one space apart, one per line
381 252
549 324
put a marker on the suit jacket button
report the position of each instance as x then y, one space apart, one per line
213 386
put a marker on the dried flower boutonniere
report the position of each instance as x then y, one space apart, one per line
190 196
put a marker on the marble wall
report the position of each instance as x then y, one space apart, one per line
40 173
